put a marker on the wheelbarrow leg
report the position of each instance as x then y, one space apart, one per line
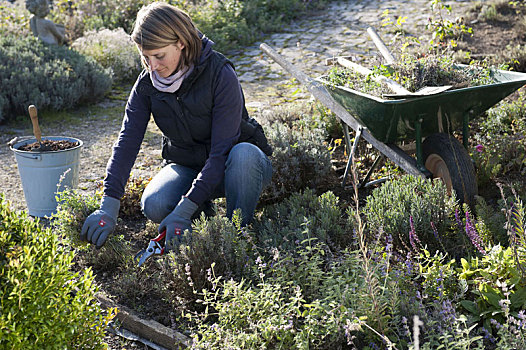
418 142
346 136
465 128
351 154
364 182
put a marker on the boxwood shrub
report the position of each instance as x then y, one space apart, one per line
50 77
43 304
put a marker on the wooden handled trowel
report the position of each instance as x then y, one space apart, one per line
36 130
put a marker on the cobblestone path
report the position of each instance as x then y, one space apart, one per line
339 30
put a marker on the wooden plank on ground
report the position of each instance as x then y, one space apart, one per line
147 329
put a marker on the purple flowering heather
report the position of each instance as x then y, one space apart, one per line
473 235
413 238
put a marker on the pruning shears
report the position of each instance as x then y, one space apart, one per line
154 248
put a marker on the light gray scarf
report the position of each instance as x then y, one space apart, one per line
171 83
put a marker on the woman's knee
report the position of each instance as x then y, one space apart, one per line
246 163
154 207
165 190
244 154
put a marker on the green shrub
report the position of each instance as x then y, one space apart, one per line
300 217
214 241
14 19
501 141
269 316
224 23
235 23
230 23
112 49
391 207
43 305
301 159
497 286
85 15
48 76
297 302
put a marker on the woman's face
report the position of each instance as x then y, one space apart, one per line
164 60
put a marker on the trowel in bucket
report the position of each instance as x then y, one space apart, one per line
36 130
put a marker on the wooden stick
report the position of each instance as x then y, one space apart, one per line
389 58
393 85
34 119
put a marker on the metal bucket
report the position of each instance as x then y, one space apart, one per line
43 174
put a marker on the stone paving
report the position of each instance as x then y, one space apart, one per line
338 30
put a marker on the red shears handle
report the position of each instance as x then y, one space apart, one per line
159 238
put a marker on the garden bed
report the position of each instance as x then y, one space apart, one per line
315 227
135 287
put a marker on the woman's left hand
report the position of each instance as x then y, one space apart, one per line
177 223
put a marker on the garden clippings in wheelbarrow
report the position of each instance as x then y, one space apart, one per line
414 73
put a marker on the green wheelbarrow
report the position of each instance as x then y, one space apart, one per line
428 120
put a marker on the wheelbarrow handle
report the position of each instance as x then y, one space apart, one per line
321 93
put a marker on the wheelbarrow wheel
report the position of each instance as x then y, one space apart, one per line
448 160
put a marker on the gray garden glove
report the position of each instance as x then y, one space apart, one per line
101 222
177 222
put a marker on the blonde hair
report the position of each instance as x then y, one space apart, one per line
160 24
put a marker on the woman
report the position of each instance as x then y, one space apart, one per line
210 146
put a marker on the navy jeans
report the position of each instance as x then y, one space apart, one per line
248 171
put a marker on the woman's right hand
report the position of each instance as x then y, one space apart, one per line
101 222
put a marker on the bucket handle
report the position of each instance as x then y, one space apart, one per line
32 156
18 139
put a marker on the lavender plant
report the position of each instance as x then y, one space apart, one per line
301 159
304 216
391 208
215 241
112 49
51 77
